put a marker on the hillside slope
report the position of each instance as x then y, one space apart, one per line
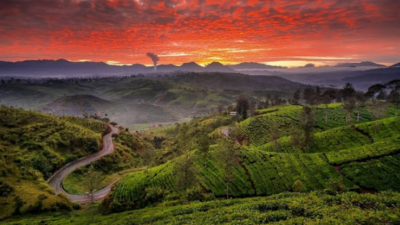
33 146
339 154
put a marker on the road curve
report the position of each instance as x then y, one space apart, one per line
56 179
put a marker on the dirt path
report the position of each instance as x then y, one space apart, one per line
56 179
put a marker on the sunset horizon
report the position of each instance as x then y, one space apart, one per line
281 33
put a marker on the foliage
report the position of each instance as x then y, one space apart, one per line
33 146
285 208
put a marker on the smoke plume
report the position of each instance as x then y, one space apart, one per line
155 59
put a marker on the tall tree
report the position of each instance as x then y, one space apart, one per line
220 109
361 100
203 145
374 89
226 154
5 190
382 96
274 134
326 100
349 106
394 96
296 97
318 95
242 105
296 137
309 96
377 109
148 155
307 122
349 100
91 184
185 172
348 92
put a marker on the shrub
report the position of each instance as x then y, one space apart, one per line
298 186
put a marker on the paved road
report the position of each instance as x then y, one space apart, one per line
56 179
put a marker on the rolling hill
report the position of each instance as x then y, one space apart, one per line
353 155
33 146
142 100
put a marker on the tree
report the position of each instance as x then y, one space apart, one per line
298 186
252 108
326 100
318 95
382 96
148 155
349 106
349 100
225 155
377 109
91 184
296 137
220 109
394 96
274 134
296 97
19 202
307 122
242 105
348 92
203 145
374 89
185 173
5 190
309 96
360 103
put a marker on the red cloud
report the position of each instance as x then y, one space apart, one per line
203 30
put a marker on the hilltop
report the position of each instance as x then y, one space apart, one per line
77 105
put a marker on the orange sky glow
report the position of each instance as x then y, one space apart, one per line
276 32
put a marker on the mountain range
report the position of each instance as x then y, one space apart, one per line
65 68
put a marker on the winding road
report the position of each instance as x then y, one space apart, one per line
56 179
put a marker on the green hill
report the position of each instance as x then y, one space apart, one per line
339 153
33 146
361 156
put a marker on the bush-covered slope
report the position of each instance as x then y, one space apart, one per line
287 117
33 146
267 169
287 208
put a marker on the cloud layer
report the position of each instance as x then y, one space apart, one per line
200 30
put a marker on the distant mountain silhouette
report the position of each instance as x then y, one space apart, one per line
396 65
167 68
218 67
309 65
62 67
191 66
361 64
253 65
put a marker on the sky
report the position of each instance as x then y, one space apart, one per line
275 32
